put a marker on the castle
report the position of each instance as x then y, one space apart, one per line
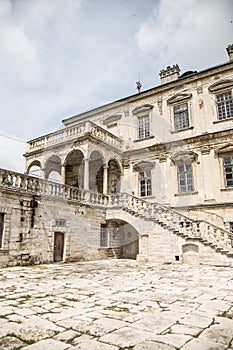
147 177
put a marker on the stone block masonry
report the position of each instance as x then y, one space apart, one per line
116 304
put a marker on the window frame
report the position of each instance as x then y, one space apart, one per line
221 105
144 127
2 226
104 241
224 170
145 181
184 120
185 179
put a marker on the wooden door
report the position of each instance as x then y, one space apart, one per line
58 246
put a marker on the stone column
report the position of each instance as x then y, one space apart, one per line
63 174
105 179
86 174
43 174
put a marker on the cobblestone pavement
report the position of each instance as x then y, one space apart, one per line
116 304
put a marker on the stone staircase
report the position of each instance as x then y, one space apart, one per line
204 232
217 238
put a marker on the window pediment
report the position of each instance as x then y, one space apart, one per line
225 149
184 156
112 119
221 85
143 165
179 98
143 109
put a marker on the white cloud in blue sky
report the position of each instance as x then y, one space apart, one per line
61 57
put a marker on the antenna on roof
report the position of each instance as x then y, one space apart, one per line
139 84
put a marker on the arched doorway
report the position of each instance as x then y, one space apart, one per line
119 239
96 172
74 169
114 176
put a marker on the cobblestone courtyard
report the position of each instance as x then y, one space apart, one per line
117 304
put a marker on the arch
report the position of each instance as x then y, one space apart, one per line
114 176
74 169
96 171
121 239
53 168
190 253
34 169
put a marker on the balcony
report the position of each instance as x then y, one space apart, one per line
72 134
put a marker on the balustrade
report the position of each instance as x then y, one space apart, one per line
163 215
70 133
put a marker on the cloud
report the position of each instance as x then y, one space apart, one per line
191 32
18 53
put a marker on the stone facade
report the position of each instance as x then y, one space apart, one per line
147 177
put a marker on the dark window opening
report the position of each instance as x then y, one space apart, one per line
145 183
1 229
228 170
103 235
181 117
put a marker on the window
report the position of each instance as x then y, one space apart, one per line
60 222
1 229
224 105
143 126
185 177
103 235
228 170
181 116
145 183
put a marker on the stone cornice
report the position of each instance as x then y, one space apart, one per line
148 93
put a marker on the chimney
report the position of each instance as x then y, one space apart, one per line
230 52
169 74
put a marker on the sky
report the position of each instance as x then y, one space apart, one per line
59 58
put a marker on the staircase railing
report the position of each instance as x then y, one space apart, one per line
217 237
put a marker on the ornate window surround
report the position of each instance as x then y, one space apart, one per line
223 152
177 100
221 87
181 158
142 111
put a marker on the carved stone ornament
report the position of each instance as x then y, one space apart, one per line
112 118
143 165
221 85
142 109
179 98
184 156
227 148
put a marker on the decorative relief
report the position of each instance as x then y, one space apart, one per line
142 109
179 98
112 119
220 85
184 156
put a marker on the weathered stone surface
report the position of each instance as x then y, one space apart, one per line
11 343
33 334
126 337
197 344
153 345
93 345
47 344
154 322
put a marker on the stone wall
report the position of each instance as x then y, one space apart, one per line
30 224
